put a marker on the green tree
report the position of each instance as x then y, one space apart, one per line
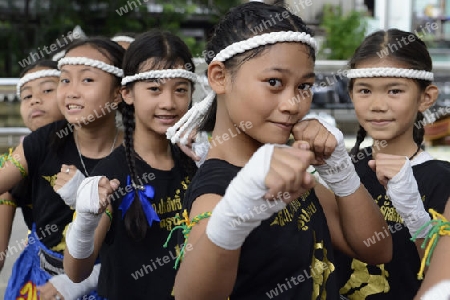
27 26
343 33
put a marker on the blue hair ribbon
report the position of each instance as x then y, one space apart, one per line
145 193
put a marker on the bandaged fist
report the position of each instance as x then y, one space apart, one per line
67 182
106 188
386 166
320 140
288 173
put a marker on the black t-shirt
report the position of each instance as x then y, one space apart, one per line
46 149
142 269
289 256
22 196
398 278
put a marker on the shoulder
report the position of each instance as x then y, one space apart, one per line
47 132
433 169
213 177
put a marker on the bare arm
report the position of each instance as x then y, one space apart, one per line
6 220
80 269
354 219
9 173
438 269
215 268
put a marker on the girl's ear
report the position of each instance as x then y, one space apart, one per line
217 77
127 95
429 96
118 96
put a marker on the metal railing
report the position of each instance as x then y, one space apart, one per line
11 136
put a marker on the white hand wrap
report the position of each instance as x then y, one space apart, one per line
441 291
403 191
68 192
80 233
72 291
243 207
338 171
201 147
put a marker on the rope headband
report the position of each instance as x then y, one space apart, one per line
122 38
390 72
166 73
193 118
36 75
91 63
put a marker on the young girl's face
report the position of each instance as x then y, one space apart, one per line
159 103
86 94
39 106
386 107
270 92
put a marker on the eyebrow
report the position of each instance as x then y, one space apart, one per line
391 84
288 72
92 69
46 81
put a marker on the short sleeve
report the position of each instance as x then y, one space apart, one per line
35 146
213 177
437 186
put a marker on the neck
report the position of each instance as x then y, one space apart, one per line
230 142
402 145
152 147
96 140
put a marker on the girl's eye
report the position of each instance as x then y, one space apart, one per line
305 86
181 90
64 80
88 80
364 91
48 91
26 97
395 91
154 88
274 82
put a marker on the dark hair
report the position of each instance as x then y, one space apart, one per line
414 56
105 46
243 22
45 63
167 51
108 48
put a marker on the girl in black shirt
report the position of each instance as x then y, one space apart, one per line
390 95
88 95
267 235
145 179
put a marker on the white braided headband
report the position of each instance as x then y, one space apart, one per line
390 72
122 38
193 118
92 63
166 73
35 75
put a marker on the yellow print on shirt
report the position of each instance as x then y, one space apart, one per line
320 271
171 204
362 284
287 215
50 179
388 210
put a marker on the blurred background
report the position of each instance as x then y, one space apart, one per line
36 29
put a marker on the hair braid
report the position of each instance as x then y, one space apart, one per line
419 131
360 136
135 223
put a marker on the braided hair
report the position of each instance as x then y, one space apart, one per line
165 51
